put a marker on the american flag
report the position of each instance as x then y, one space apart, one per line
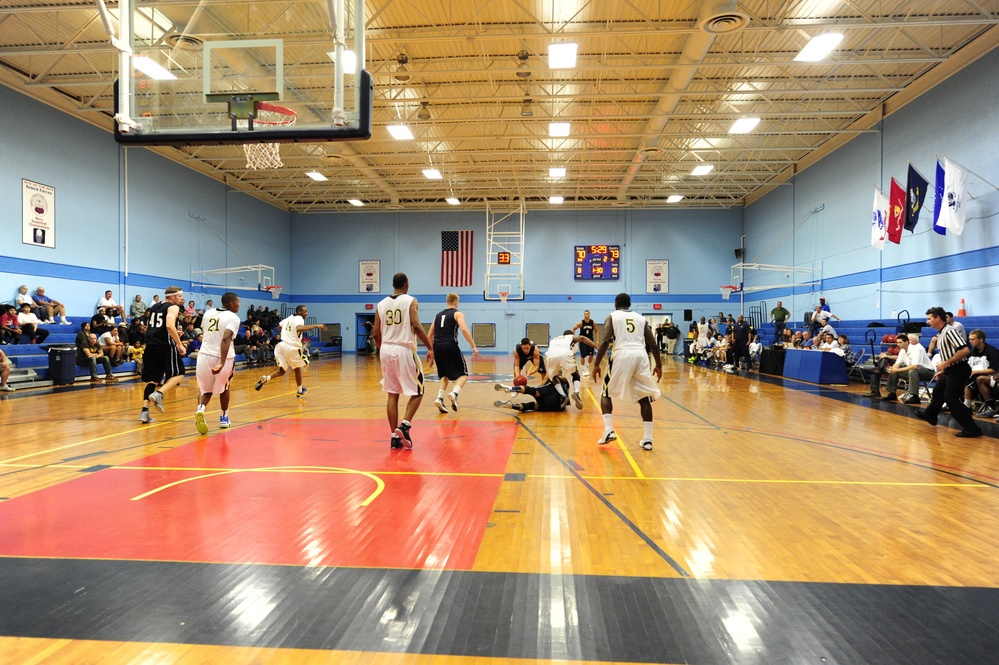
456 258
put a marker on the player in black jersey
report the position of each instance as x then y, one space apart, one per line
553 396
450 363
587 328
525 353
163 365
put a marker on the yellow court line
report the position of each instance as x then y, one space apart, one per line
145 427
620 441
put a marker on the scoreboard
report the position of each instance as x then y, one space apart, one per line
598 262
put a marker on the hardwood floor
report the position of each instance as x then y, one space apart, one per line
500 535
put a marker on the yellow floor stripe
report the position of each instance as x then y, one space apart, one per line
620 442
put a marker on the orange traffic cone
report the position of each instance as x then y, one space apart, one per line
961 311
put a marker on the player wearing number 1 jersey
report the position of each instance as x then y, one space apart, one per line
397 320
288 353
451 365
628 375
217 358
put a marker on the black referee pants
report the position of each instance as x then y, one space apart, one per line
950 389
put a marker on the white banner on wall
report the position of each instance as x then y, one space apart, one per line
369 280
657 276
37 214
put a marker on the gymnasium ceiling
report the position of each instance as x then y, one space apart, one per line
656 87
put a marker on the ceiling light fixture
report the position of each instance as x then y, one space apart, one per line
453 201
818 47
400 132
523 69
424 112
349 60
557 129
744 125
432 174
526 111
556 172
401 72
556 200
356 202
703 169
674 198
317 176
562 56
152 69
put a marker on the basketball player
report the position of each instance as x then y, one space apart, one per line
629 376
528 352
216 359
450 363
396 321
561 360
288 352
552 396
587 328
163 365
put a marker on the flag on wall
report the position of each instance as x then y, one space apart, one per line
952 213
456 258
878 224
896 212
915 194
938 190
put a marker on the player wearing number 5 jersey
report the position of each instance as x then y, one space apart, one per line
288 353
396 322
628 375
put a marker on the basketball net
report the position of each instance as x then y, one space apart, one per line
275 291
727 291
503 296
260 156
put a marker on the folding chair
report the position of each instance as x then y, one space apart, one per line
857 369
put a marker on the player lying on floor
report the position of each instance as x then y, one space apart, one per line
552 396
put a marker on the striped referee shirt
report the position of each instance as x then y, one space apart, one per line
950 342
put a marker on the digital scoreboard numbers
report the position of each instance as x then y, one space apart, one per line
598 262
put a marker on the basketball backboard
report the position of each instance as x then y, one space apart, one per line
254 72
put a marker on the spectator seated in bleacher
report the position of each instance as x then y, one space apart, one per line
755 349
827 342
194 346
848 355
307 349
187 334
23 298
880 364
88 354
10 329
720 350
806 341
984 361
112 346
137 310
112 309
912 364
820 319
4 373
244 344
100 322
31 325
50 308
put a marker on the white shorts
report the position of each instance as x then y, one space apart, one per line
289 357
630 378
562 363
215 384
402 371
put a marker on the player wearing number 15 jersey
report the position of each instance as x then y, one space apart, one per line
397 320
288 353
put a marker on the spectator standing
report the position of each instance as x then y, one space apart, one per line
779 317
672 334
740 337
953 373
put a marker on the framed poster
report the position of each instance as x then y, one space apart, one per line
37 214
368 272
657 276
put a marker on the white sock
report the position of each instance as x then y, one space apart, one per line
225 414
440 395
648 430
201 408
575 386
407 423
456 390
608 422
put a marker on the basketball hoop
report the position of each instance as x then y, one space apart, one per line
275 291
261 156
503 295
727 291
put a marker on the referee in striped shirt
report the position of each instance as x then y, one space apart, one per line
953 374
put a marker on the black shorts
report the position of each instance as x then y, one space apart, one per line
160 363
541 364
586 350
450 363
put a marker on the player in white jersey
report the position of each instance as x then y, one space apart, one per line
216 359
561 360
628 375
396 321
288 353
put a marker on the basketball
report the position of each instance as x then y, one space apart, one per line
520 380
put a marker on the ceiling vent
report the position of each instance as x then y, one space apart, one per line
652 151
184 42
724 23
393 206
621 203
333 157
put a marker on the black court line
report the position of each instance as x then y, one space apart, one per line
610 506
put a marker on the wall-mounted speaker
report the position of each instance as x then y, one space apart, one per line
738 252
688 315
